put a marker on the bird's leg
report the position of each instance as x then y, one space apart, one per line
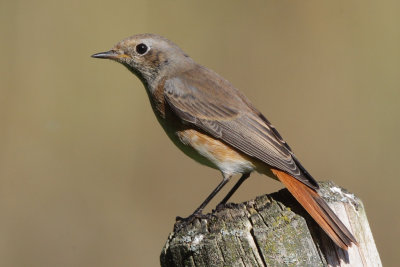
233 190
198 212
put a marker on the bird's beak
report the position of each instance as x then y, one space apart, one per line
112 54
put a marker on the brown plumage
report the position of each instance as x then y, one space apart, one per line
203 98
216 125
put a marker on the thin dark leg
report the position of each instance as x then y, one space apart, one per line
208 199
234 188
212 195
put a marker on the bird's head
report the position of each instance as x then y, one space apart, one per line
148 56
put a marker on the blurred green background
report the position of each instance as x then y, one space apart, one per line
88 177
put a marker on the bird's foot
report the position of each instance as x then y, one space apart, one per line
183 222
222 206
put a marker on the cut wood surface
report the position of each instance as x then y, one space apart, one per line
273 230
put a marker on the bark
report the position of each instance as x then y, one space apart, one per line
272 230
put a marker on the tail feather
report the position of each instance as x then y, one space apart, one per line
318 209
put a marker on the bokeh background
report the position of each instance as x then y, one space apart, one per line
88 177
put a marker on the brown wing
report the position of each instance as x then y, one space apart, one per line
201 97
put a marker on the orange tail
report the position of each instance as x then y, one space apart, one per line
318 209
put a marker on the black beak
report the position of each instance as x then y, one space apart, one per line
109 55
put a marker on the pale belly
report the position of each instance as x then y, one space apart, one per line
212 152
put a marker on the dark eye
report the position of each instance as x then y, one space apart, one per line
141 49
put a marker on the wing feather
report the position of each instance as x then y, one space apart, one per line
195 97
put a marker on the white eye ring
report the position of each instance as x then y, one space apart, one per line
142 49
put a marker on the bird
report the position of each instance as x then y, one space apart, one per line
215 124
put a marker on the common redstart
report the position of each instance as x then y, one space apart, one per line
216 125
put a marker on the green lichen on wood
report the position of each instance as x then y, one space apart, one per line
261 232
283 236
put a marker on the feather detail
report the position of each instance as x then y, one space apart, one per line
204 100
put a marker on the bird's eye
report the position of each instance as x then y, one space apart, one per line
141 49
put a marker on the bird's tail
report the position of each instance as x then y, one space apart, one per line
318 209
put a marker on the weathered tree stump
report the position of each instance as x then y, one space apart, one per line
273 230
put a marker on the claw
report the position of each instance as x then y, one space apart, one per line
183 222
220 207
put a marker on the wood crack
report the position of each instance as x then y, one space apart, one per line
272 230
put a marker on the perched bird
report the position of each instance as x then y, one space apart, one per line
216 125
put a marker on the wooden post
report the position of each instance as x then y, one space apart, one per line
273 230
